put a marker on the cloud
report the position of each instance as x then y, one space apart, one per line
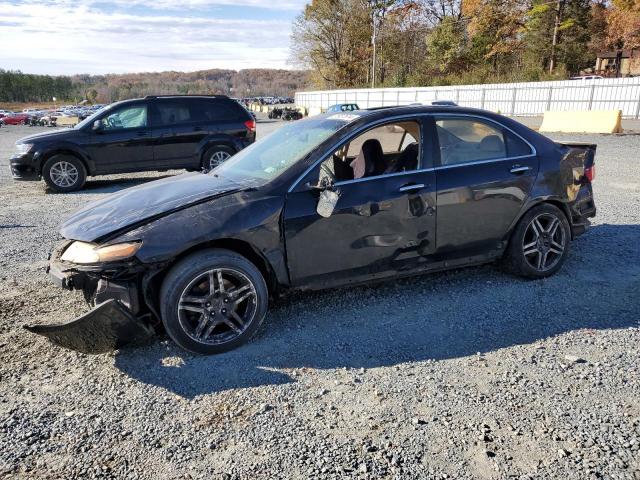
66 37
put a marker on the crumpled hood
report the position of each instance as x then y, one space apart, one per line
134 205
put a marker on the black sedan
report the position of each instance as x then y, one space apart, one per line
334 200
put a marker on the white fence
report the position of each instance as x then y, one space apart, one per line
518 99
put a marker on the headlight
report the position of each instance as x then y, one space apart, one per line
82 252
22 148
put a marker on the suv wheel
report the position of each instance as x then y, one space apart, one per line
213 301
216 155
540 243
64 173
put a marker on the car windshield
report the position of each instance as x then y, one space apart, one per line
271 156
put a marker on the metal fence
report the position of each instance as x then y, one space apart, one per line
517 99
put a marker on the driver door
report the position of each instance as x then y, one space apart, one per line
382 224
123 143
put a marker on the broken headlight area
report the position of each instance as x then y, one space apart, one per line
117 318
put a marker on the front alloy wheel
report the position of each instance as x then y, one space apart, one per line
217 306
213 301
64 173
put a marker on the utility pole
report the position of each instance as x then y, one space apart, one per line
373 62
556 31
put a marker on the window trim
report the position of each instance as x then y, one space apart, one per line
370 126
439 165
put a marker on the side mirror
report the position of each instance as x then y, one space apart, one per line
96 126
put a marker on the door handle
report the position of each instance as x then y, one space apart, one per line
198 129
519 169
412 188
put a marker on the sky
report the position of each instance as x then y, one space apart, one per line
64 37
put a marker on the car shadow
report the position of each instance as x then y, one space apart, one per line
433 317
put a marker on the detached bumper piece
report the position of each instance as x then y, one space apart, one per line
107 327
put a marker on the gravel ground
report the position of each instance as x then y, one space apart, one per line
465 374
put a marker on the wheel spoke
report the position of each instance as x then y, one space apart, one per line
553 227
232 325
212 283
241 299
220 281
202 322
542 260
530 248
238 318
237 291
537 227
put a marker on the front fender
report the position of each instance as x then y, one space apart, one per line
47 151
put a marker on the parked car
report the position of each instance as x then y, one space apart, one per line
16 119
328 201
343 107
153 133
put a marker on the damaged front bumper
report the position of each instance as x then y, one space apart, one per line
113 323
107 327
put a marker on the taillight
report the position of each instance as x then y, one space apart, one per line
251 125
590 173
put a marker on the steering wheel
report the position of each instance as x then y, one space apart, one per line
112 122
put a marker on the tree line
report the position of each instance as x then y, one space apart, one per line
396 43
16 86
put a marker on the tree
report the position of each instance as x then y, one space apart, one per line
624 24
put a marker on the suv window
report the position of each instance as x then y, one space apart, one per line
173 113
134 116
465 140
216 110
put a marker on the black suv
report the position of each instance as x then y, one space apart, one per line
153 133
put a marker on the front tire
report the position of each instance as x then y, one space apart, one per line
540 243
64 173
213 301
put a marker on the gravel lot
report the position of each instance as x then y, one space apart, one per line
466 374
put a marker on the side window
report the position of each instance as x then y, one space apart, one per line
465 140
213 111
173 113
516 147
126 117
390 148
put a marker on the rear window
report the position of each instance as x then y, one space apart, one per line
218 110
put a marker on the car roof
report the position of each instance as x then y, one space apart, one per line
414 109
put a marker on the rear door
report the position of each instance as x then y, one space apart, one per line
179 133
124 141
484 174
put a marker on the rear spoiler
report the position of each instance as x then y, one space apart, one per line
582 150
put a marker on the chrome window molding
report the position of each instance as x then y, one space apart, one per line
378 177
479 162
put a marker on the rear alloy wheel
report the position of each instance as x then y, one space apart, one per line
213 301
216 156
64 173
540 243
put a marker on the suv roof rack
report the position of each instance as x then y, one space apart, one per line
185 95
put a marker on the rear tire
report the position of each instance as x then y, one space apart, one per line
539 244
64 173
216 155
213 301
